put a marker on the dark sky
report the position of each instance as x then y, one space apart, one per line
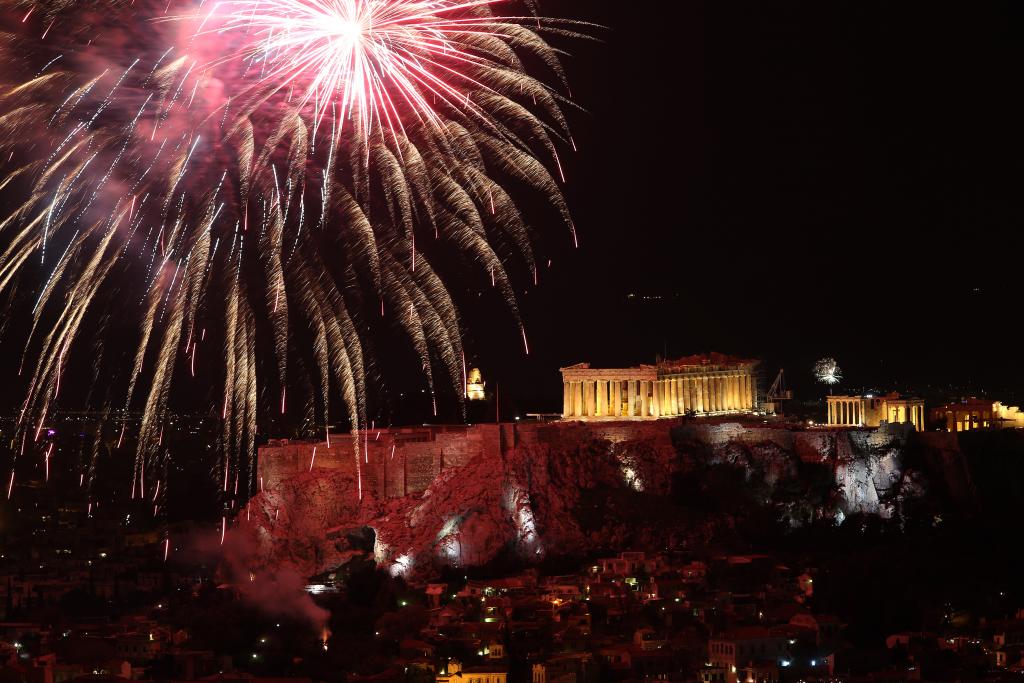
797 180
779 180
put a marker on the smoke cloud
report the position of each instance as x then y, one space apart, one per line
279 592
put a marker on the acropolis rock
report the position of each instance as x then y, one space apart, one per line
465 496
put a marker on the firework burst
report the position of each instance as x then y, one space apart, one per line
224 175
827 371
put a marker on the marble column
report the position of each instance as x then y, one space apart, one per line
631 399
565 399
645 400
616 398
577 399
602 397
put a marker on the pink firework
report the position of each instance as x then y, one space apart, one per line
382 60
267 170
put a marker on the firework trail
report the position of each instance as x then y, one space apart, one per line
827 371
256 169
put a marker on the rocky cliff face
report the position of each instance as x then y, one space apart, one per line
579 488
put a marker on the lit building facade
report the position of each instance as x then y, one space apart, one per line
708 384
978 413
871 411
475 385
454 672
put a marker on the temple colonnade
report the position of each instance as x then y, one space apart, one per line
871 411
845 411
644 392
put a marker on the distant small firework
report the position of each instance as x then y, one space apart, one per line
827 371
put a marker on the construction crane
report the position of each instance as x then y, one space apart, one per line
777 394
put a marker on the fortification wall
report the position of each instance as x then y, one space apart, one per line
393 462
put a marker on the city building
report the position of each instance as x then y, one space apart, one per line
706 384
871 411
454 672
977 413
745 646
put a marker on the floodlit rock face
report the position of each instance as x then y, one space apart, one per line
523 492
869 472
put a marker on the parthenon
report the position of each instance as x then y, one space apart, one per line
707 384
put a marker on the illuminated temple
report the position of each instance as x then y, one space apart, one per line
872 411
707 384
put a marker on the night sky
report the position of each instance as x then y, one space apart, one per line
795 180
783 181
